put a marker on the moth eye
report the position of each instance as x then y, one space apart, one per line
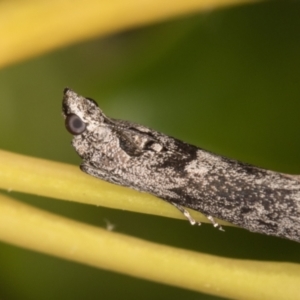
74 124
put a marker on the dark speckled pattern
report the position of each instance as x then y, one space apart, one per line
138 157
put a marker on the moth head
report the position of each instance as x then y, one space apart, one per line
80 113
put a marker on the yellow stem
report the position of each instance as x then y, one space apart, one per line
31 27
62 181
32 228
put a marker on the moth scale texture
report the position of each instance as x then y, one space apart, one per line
184 175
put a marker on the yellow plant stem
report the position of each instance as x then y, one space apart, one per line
32 228
62 181
31 27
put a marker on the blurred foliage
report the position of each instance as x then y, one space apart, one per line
225 80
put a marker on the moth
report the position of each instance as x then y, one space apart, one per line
184 175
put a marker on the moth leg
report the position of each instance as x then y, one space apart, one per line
193 221
186 214
215 224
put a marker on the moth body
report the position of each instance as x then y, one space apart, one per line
138 157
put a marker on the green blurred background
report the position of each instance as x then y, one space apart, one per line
225 80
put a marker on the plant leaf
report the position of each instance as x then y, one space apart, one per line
30 27
35 229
